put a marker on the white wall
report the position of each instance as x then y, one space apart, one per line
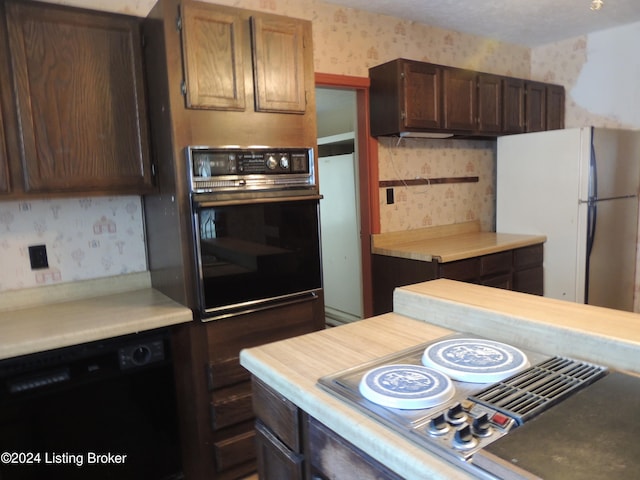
600 73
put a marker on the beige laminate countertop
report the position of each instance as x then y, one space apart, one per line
424 312
449 243
70 320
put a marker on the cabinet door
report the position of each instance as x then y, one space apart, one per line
489 103
460 97
4 160
513 105
275 460
422 95
7 183
80 99
212 55
535 106
331 456
555 107
278 64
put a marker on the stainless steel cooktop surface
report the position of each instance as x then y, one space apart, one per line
476 414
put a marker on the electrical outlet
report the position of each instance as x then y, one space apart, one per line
389 196
38 257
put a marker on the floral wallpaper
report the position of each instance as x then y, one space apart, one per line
437 204
85 238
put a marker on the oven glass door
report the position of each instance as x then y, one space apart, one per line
256 253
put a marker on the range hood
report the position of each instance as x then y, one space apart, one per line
424 135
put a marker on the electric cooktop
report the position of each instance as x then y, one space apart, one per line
458 394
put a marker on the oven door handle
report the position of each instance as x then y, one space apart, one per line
206 201
262 305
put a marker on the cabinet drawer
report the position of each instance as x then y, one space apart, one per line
333 457
280 415
529 281
231 405
465 270
226 372
235 450
225 338
528 256
496 263
499 281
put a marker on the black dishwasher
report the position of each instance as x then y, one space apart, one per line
99 410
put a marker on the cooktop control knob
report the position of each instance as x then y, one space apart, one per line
284 162
464 439
481 426
456 414
438 425
272 162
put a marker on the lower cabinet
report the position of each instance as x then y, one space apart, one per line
219 436
518 269
295 446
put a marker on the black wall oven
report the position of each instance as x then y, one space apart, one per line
256 227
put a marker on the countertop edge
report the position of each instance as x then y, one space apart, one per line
385 446
423 251
36 329
544 324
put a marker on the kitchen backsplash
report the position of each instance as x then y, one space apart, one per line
438 204
85 238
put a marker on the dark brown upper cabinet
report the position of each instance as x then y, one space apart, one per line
422 104
472 101
417 97
513 120
490 105
212 52
80 97
535 106
460 99
555 107
405 96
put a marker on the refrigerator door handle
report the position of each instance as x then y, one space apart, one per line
592 214
592 217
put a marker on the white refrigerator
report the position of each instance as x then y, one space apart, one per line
579 187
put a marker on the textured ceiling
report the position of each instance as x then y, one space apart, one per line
524 22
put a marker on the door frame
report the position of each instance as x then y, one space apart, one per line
367 174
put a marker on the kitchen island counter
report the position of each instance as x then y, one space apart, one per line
45 318
425 312
449 243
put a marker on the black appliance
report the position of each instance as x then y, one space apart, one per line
255 218
537 423
99 410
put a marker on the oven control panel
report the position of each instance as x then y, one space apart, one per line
218 169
